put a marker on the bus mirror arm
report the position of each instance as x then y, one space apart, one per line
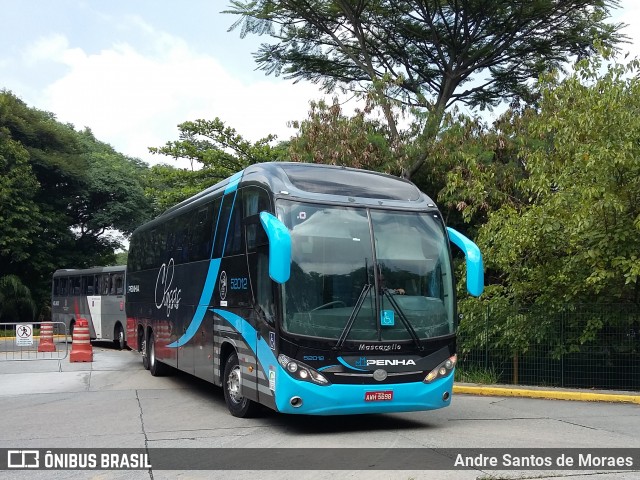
279 247
475 268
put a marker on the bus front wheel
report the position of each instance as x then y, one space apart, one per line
238 405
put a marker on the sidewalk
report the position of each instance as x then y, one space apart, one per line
548 393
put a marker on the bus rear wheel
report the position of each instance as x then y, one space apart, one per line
118 337
157 368
142 341
238 405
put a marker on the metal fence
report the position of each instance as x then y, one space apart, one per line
23 341
584 346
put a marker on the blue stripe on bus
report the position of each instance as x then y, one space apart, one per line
232 186
203 304
263 352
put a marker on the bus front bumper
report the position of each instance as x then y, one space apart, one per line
299 397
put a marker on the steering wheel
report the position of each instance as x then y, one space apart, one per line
330 304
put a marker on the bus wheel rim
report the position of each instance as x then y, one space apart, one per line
233 384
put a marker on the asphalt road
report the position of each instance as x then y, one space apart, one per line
114 403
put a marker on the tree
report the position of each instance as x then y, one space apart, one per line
575 237
111 197
217 151
16 303
18 209
424 54
62 193
328 136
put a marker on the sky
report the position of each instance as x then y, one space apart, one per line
132 70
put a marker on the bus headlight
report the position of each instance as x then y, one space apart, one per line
300 371
442 370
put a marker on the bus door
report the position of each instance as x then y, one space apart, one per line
95 303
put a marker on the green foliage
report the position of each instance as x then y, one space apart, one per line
62 192
216 150
121 258
474 374
328 136
567 231
111 197
427 54
16 303
18 187
578 236
166 186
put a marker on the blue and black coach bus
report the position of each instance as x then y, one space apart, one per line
309 289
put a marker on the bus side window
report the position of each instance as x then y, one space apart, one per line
112 284
74 287
201 234
56 287
255 200
117 287
87 285
105 284
223 222
235 236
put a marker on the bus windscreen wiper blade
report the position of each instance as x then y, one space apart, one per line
404 319
353 316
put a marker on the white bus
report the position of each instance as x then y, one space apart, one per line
95 294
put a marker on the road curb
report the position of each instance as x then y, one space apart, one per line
580 396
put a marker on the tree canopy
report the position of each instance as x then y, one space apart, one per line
564 227
215 151
63 194
425 54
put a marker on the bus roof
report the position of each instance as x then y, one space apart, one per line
318 183
72 272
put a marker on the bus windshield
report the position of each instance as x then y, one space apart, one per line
366 274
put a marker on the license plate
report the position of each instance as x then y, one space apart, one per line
383 396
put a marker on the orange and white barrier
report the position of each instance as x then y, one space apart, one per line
46 338
81 350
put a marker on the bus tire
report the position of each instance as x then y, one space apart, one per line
144 349
238 405
156 367
118 337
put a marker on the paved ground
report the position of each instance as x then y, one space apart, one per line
113 402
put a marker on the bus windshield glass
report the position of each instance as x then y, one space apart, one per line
339 288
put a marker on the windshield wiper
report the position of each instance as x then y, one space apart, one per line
353 316
403 318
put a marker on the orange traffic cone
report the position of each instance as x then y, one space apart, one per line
46 338
81 350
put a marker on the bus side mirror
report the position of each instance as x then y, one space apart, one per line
475 269
279 247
